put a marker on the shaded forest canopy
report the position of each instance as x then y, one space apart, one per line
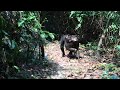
24 34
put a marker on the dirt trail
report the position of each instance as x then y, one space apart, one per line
84 68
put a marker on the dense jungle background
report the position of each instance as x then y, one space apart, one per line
30 48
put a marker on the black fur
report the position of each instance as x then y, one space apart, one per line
71 43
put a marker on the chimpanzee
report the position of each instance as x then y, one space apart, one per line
71 42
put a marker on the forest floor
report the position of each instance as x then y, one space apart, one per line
83 68
54 66
87 67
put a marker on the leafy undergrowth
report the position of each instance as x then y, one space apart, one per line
54 66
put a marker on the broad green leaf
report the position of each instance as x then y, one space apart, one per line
43 35
31 17
72 12
78 26
13 44
118 47
79 19
4 32
9 42
21 39
35 30
5 40
21 23
51 35
16 67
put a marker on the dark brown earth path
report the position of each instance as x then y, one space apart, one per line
84 68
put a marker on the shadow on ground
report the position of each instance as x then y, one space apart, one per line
38 69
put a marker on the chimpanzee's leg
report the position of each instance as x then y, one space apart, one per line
62 40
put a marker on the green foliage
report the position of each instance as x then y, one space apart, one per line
51 35
109 71
20 33
11 43
17 68
106 75
99 22
118 47
79 16
31 20
92 45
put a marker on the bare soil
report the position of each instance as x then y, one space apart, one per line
54 66
83 68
